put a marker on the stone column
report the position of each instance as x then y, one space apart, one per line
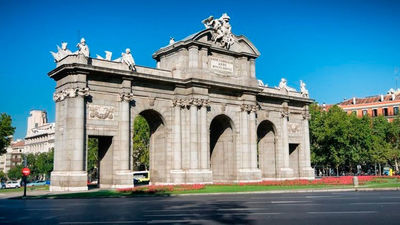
253 139
177 174
70 171
252 68
194 160
122 175
177 165
245 138
306 171
204 146
285 170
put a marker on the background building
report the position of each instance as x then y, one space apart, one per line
13 156
39 134
386 105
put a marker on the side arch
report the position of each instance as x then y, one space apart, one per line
158 145
266 148
222 149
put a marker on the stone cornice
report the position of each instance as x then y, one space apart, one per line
88 69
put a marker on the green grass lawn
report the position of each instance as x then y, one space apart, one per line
21 189
380 182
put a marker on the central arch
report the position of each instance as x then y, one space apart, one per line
158 145
266 148
222 149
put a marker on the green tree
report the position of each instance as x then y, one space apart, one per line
6 130
141 141
15 173
3 176
44 163
93 158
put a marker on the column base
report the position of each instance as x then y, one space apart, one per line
121 179
249 175
307 173
192 176
285 173
68 181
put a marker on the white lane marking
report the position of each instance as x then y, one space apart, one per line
375 203
286 202
344 212
320 196
173 221
170 215
250 213
49 209
103 222
299 204
240 209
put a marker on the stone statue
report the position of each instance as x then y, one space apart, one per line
108 56
303 90
83 48
283 85
171 40
62 52
128 59
222 29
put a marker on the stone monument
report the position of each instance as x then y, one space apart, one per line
210 119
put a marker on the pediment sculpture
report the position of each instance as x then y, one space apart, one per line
222 30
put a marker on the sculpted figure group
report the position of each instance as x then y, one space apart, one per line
222 29
83 49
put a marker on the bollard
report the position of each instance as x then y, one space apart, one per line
355 181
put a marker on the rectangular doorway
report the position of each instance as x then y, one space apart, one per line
294 151
99 161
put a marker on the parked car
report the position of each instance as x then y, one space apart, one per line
12 184
141 177
36 183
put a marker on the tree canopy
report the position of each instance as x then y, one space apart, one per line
141 142
343 141
6 132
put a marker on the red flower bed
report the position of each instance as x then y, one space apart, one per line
344 180
162 188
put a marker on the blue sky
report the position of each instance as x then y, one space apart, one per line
340 49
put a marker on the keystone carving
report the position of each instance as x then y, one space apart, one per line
71 93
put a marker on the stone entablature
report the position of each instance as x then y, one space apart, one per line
210 120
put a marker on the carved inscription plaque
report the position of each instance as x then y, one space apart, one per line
221 66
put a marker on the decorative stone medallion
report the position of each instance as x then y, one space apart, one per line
101 112
294 128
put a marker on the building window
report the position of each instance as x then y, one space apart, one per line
374 112
396 110
385 112
365 112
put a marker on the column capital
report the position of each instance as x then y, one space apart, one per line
250 108
70 93
181 102
306 116
126 97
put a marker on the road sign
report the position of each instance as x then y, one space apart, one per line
26 171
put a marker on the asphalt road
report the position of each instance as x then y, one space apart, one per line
291 208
